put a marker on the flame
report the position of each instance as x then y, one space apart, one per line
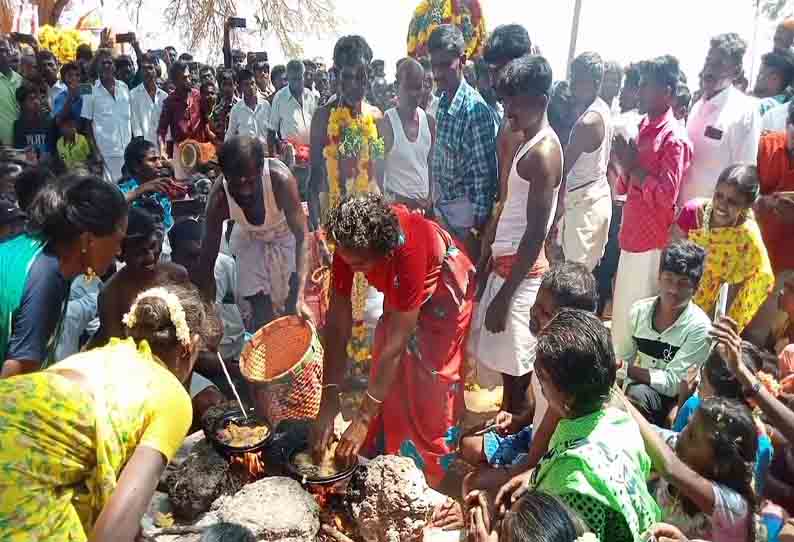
250 463
332 509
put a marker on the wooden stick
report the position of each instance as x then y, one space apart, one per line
171 531
231 384
335 534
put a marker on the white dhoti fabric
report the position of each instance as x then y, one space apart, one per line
264 262
541 404
112 168
511 352
585 231
637 278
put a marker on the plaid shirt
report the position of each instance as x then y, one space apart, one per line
464 157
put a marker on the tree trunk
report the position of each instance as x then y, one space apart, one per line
50 11
6 16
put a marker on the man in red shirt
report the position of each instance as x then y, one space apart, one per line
774 211
181 111
651 171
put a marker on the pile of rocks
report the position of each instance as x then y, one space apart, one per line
388 500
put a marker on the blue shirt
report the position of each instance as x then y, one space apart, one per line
35 325
159 197
763 456
75 109
464 156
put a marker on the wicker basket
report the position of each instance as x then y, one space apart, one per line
284 362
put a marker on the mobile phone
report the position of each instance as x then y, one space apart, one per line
129 37
237 22
86 89
261 56
722 303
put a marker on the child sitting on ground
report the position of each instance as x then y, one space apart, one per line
666 335
718 381
707 487
567 285
707 471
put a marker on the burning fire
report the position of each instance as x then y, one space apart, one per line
332 510
331 498
250 463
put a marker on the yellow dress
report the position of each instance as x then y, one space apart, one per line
62 449
737 256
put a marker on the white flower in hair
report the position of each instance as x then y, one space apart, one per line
175 311
587 537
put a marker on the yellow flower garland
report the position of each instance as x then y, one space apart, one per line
366 131
63 42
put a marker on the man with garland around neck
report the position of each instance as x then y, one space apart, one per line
352 56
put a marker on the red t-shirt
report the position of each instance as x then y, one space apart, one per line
408 276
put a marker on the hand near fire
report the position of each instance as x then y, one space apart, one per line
322 432
352 441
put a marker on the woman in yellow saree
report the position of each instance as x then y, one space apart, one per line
735 252
83 444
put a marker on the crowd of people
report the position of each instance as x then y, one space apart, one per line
613 250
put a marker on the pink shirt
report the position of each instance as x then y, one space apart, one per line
665 153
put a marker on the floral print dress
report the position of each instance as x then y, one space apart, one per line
734 255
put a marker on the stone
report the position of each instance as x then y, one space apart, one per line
273 508
391 501
199 481
181 456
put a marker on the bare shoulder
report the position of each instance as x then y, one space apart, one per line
542 161
172 273
279 172
591 120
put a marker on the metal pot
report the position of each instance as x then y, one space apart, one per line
234 415
309 482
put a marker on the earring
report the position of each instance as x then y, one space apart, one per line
89 272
